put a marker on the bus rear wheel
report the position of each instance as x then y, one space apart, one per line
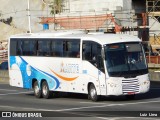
45 90
37 90
93 93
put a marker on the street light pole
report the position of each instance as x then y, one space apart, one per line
29 17
54 14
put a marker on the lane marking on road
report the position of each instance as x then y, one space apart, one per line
15 107
96 103
87 107
7 90
106 105
120 104
10 107
78 108
16 93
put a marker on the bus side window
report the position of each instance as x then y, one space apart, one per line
29 47
57 48
13 47
86 54
44 48
19 50
71 48
92 53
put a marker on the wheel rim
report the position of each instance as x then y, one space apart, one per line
36 89
45 90
93 93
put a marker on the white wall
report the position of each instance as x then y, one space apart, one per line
97 5
18 10
127 4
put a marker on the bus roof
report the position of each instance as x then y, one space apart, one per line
98 37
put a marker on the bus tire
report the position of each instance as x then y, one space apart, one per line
37 90
92 95
45 90
130 97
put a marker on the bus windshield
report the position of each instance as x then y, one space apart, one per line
125 59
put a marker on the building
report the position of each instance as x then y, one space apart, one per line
122 16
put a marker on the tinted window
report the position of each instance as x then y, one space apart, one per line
125 59
91 50
29 47
13 44
57 48
87 51
92 53
22 47
71 48
19 50
44 48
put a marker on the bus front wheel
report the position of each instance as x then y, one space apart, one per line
93 93
37 91
45 90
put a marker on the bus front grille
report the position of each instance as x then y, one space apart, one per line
130 86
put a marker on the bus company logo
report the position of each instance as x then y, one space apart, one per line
6 114
69 68
62 69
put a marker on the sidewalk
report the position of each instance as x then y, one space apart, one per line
4 77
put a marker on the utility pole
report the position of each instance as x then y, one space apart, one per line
54 13
29 17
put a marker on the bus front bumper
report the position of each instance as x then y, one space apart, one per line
127 86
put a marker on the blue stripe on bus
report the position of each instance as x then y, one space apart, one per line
53 82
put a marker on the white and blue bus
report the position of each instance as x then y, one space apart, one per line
94 64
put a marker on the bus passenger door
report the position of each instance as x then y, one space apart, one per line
92 54
101 73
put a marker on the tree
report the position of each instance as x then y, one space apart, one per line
56 6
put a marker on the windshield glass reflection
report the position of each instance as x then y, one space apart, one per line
125 58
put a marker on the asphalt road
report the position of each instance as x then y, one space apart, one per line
77 106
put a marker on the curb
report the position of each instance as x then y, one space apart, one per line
4 80
154 76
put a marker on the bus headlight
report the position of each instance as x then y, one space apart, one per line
112 84
145 84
